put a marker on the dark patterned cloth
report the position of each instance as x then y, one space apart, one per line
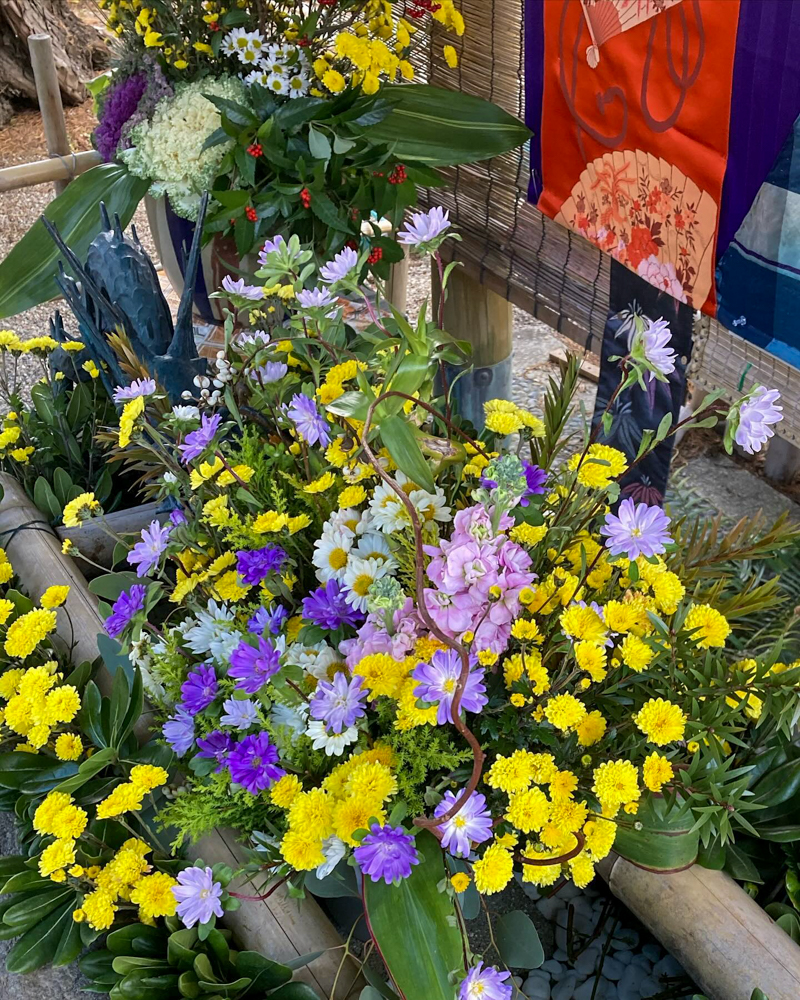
636 410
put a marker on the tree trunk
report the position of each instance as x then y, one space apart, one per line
78 48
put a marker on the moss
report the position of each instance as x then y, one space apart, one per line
419 752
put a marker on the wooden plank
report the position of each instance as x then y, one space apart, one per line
588 370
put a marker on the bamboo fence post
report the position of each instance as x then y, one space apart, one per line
41 171
397 284
48 93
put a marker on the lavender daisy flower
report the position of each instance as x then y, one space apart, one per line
254 667
338 703
472 823
637 530
652 345
240 287
387 852
338 268
149 550
328 608
255 565
535 478
424 227
178 731
199 689
272 371
139 387
240 713
216 746
756 413
485 984
253 763
317 298
270 246
196 442
124 609
198 896
177 517
309 423
268 619
439 678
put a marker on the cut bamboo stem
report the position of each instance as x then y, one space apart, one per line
48 92
43 171
94 542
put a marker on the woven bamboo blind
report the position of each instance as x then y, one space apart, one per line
544 268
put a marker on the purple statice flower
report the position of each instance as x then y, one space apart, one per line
253 667
535 478
655 341
199 689
439 678
178 731
119 105
240 287
271 371
327 607
309 423
756 413
424 227
139 387
255 565
317 298
637 530
338 703
268 620
216 746
151 548
240 713
338 268
485 984
387 852
124 609
198 896
270 246
253 763
196 442
471 824
178 517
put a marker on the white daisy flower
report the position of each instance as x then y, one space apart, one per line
430 506
330 554
333 850
387 509
298 86
375 546
314 660
250 57
257 76
359 576
274 66
212 632
277 84
235 41
347 519
186 413
332 743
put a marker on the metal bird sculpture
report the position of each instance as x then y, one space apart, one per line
118 288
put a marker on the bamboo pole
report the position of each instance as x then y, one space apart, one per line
48 93
43 171
97 544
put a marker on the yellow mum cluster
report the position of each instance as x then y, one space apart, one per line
352 794
36 703
128 796
504 417
383 675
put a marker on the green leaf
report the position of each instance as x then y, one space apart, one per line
110 585
406 452
370 993
666 841
180 948
23 915
327 213
415 928
294 991
27 275
444 127
42 399
86 770
45 499
318 144
265 973
136 939
790 923
90 721
518 941
15 772
42 942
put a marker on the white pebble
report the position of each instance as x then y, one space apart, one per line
654 952
623 956
536 989
625 938
565 989
552 968
668 966
612 969
628 986
586 962
649 987
549 907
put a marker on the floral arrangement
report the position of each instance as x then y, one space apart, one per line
374 633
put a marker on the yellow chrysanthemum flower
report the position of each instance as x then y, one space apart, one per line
710 627
656 772
661 721
494 870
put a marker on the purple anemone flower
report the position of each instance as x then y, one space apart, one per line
535 478
196 442
655 345
271 371
268 620
338 703
485 984
177 517
318 298
338 268
178 731
253 763
119 105
199 689
198 896
139 387
309 423
240 287
328 608
424 227
253 667
239 713
216 746
270 246
471 824
255 565
756 414
387 852
637 530
124 609
439 678
150 549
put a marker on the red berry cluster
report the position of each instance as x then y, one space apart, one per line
398 175
213 26
417 8
305 198
351 245
251 213
255 149
375 255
